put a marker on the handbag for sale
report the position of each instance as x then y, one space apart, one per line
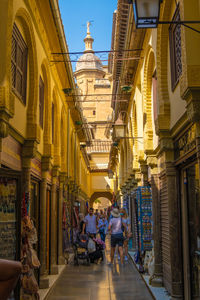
29 283
32 258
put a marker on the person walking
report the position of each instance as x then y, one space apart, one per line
115 226
102 224
90 223
127 231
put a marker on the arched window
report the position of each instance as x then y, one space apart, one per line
19 64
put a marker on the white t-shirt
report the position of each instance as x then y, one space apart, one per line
90 222
116 225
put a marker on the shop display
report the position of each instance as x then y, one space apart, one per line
144 209
29 258
8 218
135 223
126 203
66 227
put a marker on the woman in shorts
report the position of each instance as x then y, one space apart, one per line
115 226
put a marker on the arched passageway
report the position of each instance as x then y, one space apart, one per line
104 200
101 203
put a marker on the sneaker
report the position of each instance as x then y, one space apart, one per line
126 258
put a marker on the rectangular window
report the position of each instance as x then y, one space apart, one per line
52 125
94 112
19 64
41 102
175 49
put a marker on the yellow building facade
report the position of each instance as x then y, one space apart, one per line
160 147
42 165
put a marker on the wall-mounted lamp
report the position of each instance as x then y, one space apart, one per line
147 14
119 131
119 128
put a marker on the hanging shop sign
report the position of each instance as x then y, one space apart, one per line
186 143
10 155
36 168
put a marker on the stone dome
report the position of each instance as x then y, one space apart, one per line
89 61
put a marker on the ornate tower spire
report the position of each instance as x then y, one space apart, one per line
88 40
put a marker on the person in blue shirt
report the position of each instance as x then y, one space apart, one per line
102 226
127 231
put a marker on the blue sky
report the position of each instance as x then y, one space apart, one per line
76 13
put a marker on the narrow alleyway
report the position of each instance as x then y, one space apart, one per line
100 282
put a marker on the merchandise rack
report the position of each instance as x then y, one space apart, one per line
144 206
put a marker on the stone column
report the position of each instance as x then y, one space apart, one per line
54 215
144 172
26 174
61 259
44 281
82 206
157 276
138 178
174 232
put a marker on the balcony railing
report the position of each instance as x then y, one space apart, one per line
99 147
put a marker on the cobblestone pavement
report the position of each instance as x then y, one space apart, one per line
100 282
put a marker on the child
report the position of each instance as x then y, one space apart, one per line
102 227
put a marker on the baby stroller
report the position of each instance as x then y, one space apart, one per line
80 249
98 253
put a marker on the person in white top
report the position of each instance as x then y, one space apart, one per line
90 223
115 225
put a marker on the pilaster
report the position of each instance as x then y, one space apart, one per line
144 173
62 180
174 231
44 281
156 279
54 216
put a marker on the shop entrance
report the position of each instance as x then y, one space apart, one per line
10 217
190 211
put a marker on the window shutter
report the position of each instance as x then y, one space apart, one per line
24 82
52 125
154 83
13 60
19 64
175 49
41 102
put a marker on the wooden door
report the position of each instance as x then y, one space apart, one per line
48 199
185 236
165 237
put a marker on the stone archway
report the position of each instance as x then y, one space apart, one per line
97 195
